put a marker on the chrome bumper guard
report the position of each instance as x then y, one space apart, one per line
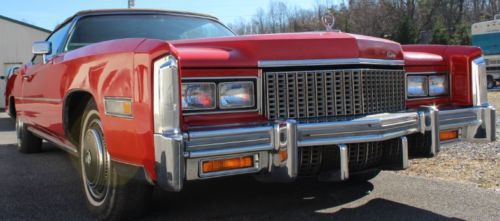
179 158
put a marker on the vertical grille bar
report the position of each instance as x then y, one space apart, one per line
291 95
311 94
330 93
301 95
281 96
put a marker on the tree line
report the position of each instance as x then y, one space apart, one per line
404 21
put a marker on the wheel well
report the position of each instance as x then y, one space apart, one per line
12 107
74 106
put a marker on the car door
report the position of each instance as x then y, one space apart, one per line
42 93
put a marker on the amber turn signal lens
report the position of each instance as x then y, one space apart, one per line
127 108
227 164
448 135
283 155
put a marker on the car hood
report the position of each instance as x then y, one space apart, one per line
248 51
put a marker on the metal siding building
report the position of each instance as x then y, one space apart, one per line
16 38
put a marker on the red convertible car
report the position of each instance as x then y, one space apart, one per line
150 98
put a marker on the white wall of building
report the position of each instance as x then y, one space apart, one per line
15 47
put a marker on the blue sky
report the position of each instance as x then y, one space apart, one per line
48 13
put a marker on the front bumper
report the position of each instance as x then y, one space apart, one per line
179 156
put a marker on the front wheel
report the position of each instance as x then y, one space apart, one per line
109 195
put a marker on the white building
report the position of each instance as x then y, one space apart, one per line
16 38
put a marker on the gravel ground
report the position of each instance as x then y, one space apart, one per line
474 163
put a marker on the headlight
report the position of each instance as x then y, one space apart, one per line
236 95
417 86
424 85
198 96
438 85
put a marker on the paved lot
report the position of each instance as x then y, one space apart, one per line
46 186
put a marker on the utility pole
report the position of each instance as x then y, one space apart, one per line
131 3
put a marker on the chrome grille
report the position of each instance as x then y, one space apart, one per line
310 160
315 159
367 155
327 93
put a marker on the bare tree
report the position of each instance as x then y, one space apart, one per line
407 21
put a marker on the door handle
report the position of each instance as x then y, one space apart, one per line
27 77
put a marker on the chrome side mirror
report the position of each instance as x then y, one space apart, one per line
41 47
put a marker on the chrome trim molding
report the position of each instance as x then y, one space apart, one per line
344 162
168 139
225 111
170 163
432 125
53 100
405 163
370 128
327 62
218 78
292 164
423 73
260 93
479 90
66 147
166 108
234 150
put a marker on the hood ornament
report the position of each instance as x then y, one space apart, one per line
329 22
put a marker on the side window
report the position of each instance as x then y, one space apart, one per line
37 59
57 39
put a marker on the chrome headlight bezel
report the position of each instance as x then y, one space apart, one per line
250 93
211 93
219 82
427 78
422 83
445 88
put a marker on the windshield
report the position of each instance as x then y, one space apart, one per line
94 29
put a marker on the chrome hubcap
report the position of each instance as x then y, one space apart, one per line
88 158
95 163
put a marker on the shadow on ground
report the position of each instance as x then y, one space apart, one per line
242 198
47 186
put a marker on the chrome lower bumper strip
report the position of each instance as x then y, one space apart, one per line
179 158
405 163
344 162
